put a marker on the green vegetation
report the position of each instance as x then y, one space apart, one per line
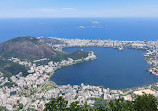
30 49
26 46
65 56
24 39
60 104
141 103
146 103
9 84
9 68
6 50
2 108
9 54
20 106
56 104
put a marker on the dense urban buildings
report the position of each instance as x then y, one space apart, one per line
35 90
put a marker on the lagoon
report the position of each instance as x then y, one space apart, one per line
112 69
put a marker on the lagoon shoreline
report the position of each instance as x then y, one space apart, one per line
37 85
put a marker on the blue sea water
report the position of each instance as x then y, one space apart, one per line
107 28
113 68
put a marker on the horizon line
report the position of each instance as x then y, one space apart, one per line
67 17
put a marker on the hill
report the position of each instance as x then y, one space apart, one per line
8 68
26 46
30 49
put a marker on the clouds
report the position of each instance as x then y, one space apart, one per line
38 12
44 10
78 8
52 10
68 8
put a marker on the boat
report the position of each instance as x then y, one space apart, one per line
121 48
81 27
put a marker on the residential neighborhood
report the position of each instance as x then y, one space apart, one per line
36 89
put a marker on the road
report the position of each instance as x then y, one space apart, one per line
38 89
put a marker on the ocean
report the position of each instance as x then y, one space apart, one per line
113 68
95 28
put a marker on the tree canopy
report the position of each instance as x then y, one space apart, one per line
140 103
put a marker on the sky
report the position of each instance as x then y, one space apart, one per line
78 8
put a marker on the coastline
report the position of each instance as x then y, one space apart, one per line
148 46
120 45
100 57
39 87
68 65
126 90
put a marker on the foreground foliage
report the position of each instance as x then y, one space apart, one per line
141 103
